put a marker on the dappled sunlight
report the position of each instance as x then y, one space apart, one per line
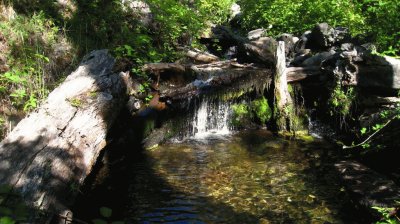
267 179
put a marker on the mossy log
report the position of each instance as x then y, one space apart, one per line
230 76
48 155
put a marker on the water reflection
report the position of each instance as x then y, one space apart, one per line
252 177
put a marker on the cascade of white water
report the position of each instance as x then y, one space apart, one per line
211 117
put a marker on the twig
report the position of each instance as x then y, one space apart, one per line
372 135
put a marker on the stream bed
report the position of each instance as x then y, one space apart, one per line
248 177
252 177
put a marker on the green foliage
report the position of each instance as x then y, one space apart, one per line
341 101
29 40
240 114
258 110
375 19
15 212
261 109
387 218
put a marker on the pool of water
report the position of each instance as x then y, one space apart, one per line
250 177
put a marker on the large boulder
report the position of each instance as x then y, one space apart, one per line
262 50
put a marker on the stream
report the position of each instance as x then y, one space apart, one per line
247 177
216 175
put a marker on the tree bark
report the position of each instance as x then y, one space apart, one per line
282 98
50 152
201 57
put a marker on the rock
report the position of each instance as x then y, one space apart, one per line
139 9
358 66
262 50
133 105
317 59
323 36
301 44
300 57
378 71
255 34
290 42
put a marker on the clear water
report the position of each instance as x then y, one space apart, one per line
250 177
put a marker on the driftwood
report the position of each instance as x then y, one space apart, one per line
295 74
50 153
202 57
157 68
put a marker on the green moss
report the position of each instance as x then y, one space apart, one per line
240 114
341 101
261 109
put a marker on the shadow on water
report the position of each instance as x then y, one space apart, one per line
251 177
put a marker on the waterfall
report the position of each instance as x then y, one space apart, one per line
211 118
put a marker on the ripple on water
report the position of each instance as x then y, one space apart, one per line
252 177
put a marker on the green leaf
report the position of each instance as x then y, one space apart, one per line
6 220
363 131
105 212
97 221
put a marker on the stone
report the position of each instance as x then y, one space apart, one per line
317 59
262 50
323 36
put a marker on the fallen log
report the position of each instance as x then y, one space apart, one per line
163 67
233 77
49 153
202 57
295 74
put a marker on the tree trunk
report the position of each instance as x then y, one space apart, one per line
48 155
282 99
